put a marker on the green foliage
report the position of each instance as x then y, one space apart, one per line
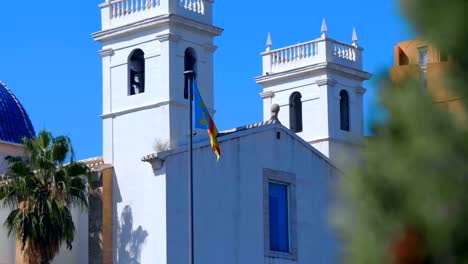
42 190
407 202
412 177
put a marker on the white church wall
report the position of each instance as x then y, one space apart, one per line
7 244
314 104
356 114
229 200
79 252
138 195
155 81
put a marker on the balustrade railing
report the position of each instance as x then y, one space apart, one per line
120 8
196 6
308 53
294 53
344 51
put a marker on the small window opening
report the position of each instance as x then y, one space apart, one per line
295 112
190 63
344 110
423 58
136 72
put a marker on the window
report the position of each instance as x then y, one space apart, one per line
136 72
344 110
295 112
423 60
280 214
190 63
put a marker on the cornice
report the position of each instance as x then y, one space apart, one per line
318 67
360 90
161 20
106 52
169 37
173 103
327 81
210 48
267 94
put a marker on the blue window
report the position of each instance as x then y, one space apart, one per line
278 217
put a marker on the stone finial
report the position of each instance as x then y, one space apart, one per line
355 38
274 113
324 28
268 43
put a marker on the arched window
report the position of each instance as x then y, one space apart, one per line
344 110
295 112
190 63
136 72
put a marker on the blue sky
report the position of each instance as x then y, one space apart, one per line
50 61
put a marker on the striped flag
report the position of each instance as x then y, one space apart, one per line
203 120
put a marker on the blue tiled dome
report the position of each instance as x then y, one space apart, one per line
14 121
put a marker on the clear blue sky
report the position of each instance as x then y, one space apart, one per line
50 61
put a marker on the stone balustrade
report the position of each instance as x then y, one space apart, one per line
116 13
311 52
196 6
120 8
344 51
294 53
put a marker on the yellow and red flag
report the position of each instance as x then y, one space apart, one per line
203 120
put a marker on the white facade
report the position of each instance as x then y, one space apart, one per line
163 30
319 70
230 213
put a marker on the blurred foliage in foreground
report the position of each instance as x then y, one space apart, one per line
408 202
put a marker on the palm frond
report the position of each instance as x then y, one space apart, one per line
41 189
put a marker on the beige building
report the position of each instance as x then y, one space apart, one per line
419 58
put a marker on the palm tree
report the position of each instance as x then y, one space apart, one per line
42 189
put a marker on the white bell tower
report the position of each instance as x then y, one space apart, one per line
319 88
146 47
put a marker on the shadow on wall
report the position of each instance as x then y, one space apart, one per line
129 241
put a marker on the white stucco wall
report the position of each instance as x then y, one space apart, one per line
229 199
7 245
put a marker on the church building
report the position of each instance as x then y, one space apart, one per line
267 199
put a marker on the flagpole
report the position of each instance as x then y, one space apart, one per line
189 77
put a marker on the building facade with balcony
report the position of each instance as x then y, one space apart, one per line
419 59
